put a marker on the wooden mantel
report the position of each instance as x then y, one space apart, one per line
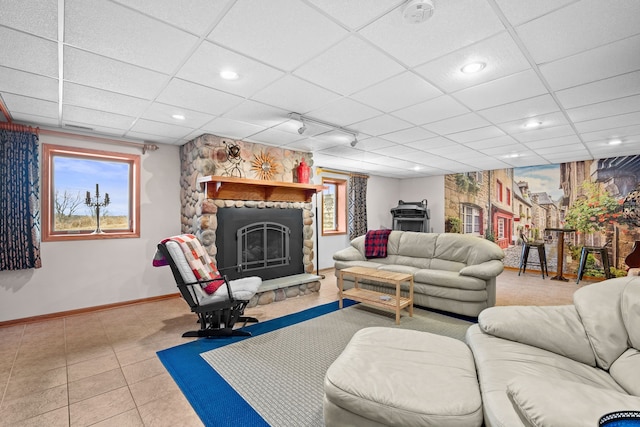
224 187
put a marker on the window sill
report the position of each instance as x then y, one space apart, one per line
89 236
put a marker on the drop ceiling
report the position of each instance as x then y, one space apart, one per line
123 69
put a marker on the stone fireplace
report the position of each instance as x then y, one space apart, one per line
273 219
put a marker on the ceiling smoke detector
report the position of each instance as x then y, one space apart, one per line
417 11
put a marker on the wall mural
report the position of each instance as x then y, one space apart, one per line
597 198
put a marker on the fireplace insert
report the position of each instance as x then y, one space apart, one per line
259 242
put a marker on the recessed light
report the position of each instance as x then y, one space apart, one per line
532 124
178 116
229 75
512 156
615 142
473 67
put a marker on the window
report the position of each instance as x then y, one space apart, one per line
470 220
71 180
334 206
508 197
499 191
500 228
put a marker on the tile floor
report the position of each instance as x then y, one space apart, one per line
101 368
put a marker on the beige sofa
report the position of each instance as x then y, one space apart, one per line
452 272
561 365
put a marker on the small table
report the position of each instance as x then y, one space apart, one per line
560 262
377 299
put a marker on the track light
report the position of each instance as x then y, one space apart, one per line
302 129
305 119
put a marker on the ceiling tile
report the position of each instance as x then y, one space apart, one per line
310 145
267 42
431 111
33 119
344 112
257 114
27 84
457 124
544 133
206 63
603 90
133 37
547 120
196 97
72 114
371 144
607 134
612 122
35 55
381 125
454 24
104 73
555 149
430 143
579 26
595 64
515 87
453 151
39 17
409 135
553 142
231 128
155 138
349 66
530 107
488 143
356 13
500 54
606 108
505 151
163 113
476 134
276 137
397 92
519 11
97 99
296 95
195 16
161 129
32 106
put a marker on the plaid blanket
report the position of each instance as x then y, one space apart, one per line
203 268
375 243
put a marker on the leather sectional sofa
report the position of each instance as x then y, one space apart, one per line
452 272
560 365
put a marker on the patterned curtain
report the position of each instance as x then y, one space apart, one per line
19 198
357 206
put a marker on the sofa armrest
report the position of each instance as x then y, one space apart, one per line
349 254
554 328
484 271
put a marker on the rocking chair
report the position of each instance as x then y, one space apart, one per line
219 303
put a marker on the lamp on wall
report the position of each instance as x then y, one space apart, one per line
306 119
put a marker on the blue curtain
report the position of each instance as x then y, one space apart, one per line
19 199
357 206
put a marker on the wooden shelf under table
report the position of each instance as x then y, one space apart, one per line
366 296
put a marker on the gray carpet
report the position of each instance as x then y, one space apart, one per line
281 373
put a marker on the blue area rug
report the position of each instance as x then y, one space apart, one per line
213 399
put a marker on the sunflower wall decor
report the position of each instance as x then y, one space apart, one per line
264 166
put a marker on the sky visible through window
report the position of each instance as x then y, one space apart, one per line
81 175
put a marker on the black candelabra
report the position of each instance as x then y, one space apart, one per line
97 204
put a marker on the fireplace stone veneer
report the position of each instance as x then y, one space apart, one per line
199 213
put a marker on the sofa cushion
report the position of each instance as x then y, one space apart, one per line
554 328
626 371
416 245
599 308
448 279
466 249
543 402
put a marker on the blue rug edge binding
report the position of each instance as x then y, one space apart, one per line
223 406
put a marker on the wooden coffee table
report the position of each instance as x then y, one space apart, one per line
374 298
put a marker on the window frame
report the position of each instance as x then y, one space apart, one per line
474 213
340 206
49 152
